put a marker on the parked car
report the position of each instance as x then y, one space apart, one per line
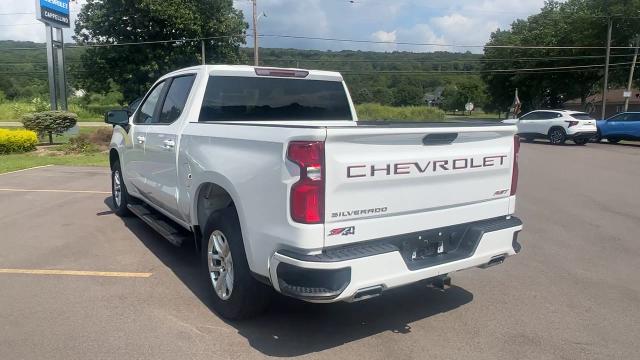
623 126
556 125
268 172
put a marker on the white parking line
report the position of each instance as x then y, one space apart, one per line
58 191
76 273
21 170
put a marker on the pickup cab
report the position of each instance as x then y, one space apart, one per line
270 174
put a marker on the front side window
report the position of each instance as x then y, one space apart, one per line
619 117
176 98
548 115
148 107
234 98
529 116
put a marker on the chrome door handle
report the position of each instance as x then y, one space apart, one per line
168 144
140 139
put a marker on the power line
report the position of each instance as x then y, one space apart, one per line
431 44
284 36
517 70
388 61
550 58
18 13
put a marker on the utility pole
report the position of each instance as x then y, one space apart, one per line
255 33
633 67
606 68
203 54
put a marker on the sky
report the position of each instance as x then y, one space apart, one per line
446 22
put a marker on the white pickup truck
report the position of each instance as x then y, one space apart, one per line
279 185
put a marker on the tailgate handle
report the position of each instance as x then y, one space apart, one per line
439 138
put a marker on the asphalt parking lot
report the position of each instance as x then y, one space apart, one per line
77 282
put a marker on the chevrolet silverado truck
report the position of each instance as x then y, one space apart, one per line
271 176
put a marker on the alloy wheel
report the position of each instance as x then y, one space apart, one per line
220 264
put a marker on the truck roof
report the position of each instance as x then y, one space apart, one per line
250 71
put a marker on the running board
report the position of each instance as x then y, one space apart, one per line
165 227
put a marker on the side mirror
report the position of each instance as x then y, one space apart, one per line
117 117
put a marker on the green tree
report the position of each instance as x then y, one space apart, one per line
135 67
580 23
407 95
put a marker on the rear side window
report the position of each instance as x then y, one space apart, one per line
176 98
582 116
232 98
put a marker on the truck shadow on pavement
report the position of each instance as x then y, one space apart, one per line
293 328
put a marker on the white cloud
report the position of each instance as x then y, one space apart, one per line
384 36
434 22
25 27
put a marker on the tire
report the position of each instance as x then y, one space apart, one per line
119 195
613 140
597 137
238 294
580 141
557 136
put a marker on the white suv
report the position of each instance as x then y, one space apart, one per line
556 125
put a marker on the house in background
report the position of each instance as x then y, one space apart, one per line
434 98
615 103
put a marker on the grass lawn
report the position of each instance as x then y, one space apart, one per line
22 161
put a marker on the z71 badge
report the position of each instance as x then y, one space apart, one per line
345 231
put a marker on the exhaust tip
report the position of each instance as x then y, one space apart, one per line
367 293
495 261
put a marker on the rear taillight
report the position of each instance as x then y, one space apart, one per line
307 195
572 123
516 155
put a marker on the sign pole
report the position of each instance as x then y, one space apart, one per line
55 14
51 68
62 81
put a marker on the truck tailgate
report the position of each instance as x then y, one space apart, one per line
374 174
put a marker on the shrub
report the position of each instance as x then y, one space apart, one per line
49 122
79 144
404 113
101 137
88 143
13 141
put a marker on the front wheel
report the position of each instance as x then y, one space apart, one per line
119 194
236 293
580 141
597 137
557 136
613 140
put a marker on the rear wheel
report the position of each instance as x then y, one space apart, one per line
580 141
236 293
613 140
119 195
557 136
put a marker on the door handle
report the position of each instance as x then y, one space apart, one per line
168 144
140 139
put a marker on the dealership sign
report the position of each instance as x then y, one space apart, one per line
53 12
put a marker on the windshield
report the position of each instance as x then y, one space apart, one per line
234 98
